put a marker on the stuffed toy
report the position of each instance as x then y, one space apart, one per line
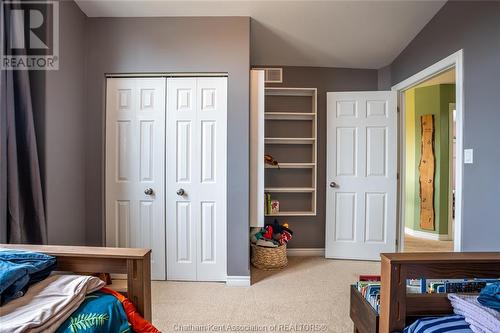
268 233
285 237
287 230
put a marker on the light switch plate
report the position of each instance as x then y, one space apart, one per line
468 156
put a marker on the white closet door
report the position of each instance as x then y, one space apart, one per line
196 178
361 172
135 155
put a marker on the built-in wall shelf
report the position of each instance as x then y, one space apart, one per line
291 166
291 138
291 213
289 115
289 141
278 91
289 189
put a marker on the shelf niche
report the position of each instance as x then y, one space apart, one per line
291 138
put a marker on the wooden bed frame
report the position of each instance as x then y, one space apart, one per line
135 263
396 306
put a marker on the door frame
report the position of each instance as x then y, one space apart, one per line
454 60
164 75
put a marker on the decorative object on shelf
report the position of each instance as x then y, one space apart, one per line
269 245
426 169
268 159
275 207
267 201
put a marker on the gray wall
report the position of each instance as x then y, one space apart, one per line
384 78
59 112
216 44
309 232
475 28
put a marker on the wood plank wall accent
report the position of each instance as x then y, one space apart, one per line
427 171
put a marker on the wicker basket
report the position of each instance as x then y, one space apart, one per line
269 258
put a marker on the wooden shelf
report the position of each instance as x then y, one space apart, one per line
291 213
289 189
289 141
282 106
289 115
277 91
291 166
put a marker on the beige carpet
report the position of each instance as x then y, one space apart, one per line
414 244
310 291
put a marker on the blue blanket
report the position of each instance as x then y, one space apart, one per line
490 296
99 313
447 324
20 269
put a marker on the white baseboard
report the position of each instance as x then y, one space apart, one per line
426 235
306 252
238 281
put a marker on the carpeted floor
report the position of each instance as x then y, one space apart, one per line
310 291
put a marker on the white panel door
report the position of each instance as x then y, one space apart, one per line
196 178
361 174
135 166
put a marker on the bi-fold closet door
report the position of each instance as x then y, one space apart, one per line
166 173
196 178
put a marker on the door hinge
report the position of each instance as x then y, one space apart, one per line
396 242
397 108
397 176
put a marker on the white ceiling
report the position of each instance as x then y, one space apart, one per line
355 34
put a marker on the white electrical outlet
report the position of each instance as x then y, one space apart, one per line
468 156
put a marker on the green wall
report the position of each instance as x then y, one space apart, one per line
433 100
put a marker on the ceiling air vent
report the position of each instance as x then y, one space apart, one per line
272 75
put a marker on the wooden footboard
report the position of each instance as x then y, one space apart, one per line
136 263
396 306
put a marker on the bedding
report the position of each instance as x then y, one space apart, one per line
490 296
481 319
47 304
100 312
446 324
20 269
138 323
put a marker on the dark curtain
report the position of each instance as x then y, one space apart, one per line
22 204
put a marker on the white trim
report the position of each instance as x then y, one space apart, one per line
426 235
453 61
306 252
167 75
238 281
451 137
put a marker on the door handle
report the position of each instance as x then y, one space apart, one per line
180 192
148 191
333 184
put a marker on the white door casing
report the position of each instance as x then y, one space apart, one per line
257 147
362 162
135 162
196 178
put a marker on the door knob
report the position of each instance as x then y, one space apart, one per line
180 191
148 191
333 184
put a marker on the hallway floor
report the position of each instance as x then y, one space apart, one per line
414 244
310 291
